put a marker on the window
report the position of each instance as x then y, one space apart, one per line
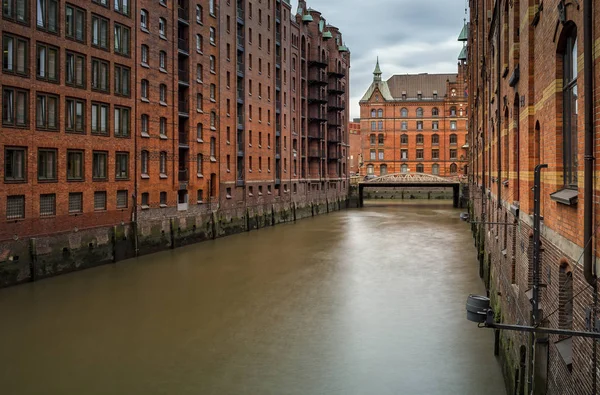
145 156
213 35
145 125
199 43
435 154
452 125
75 70
15 164
419 139
381 154
75 115
46 164
199 132
145 200
162 61
213 120
46 111
200 198
404 169
213 89
212 64
199 73
570 111
74 165
144 20
122 165
199 14
47 205
453 139
452 111
100 118
121 121
122 37
47 62
380 115
199 100
453 168
163 94
211 8
163 164
370 169
99 32
75 202
144 54
420 168
75 23
163 127
453 154
145 90
404 154
100 75
380 139
122 197
213 149
15 207
404 113
419 125
15 109
122 83
47 15
373 125
122 7
435 169
419 112
15 55
162 27
163 199
373 113
380 125
17 10
404 125
99 200
419 154
404 139
199 160
435 139
435 112
99 165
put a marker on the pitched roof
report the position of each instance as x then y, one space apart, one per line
382 86
425 83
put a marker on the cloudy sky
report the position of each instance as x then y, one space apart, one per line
408 36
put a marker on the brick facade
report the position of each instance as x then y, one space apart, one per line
355 139
516 73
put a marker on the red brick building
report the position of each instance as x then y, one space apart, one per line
415 123
527 67
161 123
355 160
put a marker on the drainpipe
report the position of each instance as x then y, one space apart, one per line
588 212
498 86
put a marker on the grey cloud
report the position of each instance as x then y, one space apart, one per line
408 36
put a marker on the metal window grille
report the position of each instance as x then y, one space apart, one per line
100 200
47 205
76 202
122 199
15 207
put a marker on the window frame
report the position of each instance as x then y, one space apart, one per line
23 166
96 176
47 49
42 169
15 69
70 176
77 13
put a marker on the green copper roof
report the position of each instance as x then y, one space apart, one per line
377 69
307 18
464 33
327 35
321 25
343 48
463 54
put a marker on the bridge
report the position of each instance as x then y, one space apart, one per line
421 180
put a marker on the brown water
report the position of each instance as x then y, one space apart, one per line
368 301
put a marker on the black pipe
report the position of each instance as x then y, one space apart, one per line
498 109
588 64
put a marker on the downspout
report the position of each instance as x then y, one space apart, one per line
498 95
134 218
588 212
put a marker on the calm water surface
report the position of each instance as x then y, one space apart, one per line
368 301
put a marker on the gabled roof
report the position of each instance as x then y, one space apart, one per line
382 87
426 84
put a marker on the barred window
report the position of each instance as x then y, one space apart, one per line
48 205
122 199
15 207
100 200
75 202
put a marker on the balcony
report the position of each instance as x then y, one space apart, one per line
334 155
240 15
333 137
317 64
315 135
318 80
183 14
240 69
240 42
184 140
183 45
315 153
240 122
184 108
277 37
183 175
337 74
240 96
184 77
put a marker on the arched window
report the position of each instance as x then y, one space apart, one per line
435 139
452 111
419 138
453 139
372 138
404 113
570 109
453 168
565 296
373 113
419 112
435 112
420 168
380 139
380 113
382 170
404 139
435 169
370 169
144 19
404 169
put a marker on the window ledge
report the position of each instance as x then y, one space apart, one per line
163 37
213 159
145 100
200 175
565 196
145 65
162 103
199 140
163 137
145 135
145 30
163 176
162 70
145 176
162 205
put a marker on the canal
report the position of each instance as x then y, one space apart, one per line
368 301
